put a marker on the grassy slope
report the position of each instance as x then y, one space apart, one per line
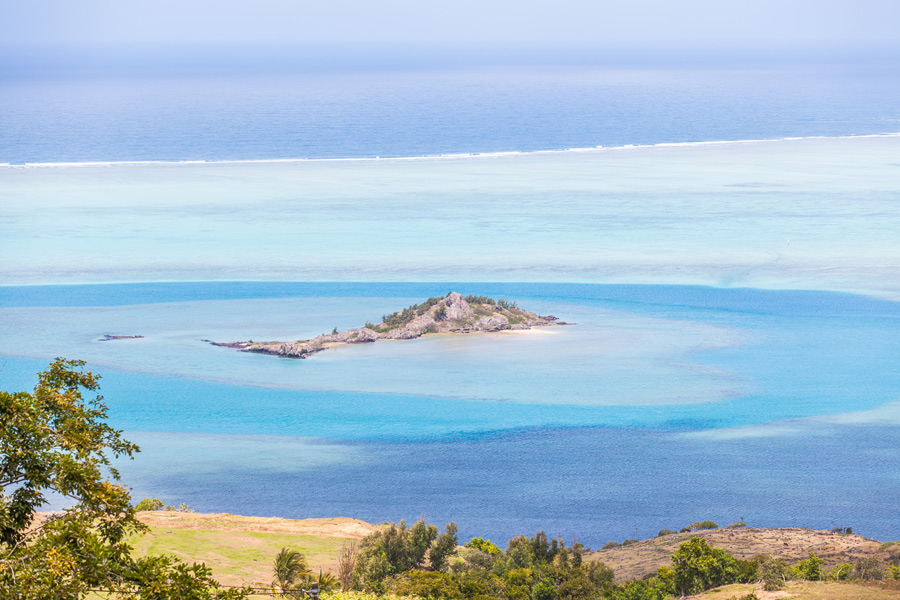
240 550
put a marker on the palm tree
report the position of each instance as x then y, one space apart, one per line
327 582
289 569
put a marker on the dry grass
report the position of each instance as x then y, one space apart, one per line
240 550
791 545
810 590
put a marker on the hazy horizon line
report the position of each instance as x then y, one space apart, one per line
186 58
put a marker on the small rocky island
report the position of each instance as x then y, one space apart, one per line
451 314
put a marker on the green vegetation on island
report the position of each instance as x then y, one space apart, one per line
451 314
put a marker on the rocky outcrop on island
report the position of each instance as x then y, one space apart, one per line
453 313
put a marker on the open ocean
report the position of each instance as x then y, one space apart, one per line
727 241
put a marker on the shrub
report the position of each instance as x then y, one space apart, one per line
699 567
663 532
401 317
840 572
870 568
737 525
772 573
748 570
609 545
440 313
487 546
809 569
149 504
843 530
629 542
437 586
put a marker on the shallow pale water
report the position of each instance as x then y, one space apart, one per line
811 213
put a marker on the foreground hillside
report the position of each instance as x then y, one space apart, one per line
792 544
240 549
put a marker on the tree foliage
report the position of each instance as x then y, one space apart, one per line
809 569
397 548
289 571
699 567
55 441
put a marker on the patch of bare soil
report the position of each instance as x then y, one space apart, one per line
340 527
791 545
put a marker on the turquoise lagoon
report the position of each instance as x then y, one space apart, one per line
734 353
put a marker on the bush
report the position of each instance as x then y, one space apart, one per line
840 572
629 542
663 532
809 569
699 567
437 586
772 573
148 504
843 530
870 569
480 300
609 545
748 570
487 546
737 525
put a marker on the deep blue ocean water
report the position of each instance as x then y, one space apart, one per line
437 111
769 393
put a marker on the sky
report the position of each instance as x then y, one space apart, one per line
454 21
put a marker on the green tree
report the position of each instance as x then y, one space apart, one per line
289 571
487 546
699 567
398 548
421 536
840 572
772 572
437 586
325 580
870 568
443 548
148 504
55 441
809 569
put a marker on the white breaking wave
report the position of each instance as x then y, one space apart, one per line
449 156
